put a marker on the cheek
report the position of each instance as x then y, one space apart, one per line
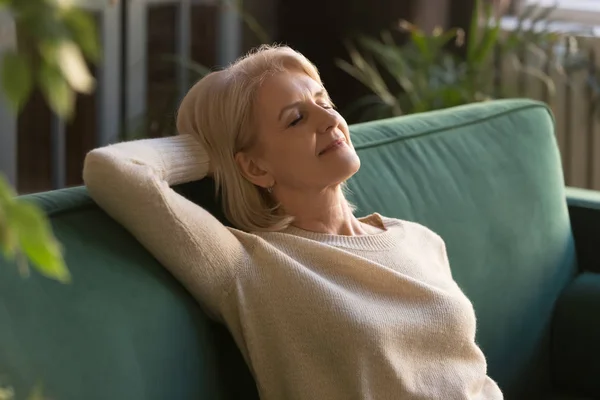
344 128
292 145
291 156
277 154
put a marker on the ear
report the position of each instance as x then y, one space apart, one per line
252 170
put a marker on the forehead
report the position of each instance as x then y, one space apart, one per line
287 86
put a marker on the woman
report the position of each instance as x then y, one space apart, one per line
323 305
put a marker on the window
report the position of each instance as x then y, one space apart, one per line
578 11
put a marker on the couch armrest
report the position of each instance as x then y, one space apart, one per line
576 337
584 211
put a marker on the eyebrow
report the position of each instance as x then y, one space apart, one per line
320 93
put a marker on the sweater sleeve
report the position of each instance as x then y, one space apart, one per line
132 182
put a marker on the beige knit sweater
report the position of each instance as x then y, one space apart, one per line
316 316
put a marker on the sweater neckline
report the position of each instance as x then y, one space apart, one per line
377 241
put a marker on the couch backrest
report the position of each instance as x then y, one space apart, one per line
486 177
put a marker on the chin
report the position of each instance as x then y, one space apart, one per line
345 167
355 164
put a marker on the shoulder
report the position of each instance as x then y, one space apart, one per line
423 238
413 230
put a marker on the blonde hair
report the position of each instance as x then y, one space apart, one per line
219 111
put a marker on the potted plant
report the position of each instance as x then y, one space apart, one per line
443 69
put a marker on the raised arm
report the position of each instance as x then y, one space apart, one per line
132 182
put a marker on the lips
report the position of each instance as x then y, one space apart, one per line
333 145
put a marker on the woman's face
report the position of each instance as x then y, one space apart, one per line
303 143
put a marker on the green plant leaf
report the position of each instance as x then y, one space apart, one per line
422 43
7 393
83 30
388 39
446 37
515 38
8 239
37 242
543 77
419 40
16 78
69 62
527 13
542 17
472 38
355 72
485 48
392 59
366 72
39 20
73 67
7 194
56 90
389 56
453 96
8 244
25 229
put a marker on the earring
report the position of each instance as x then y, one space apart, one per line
270 189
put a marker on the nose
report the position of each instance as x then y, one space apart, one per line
328 120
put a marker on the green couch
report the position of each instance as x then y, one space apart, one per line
486 177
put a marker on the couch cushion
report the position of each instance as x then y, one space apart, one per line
488 179
123 330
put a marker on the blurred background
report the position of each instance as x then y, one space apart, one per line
378 58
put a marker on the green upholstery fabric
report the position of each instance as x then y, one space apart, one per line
125 329
486 177
576 339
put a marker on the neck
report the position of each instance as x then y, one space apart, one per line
325 211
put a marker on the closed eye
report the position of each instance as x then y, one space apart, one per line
324 105
296 121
